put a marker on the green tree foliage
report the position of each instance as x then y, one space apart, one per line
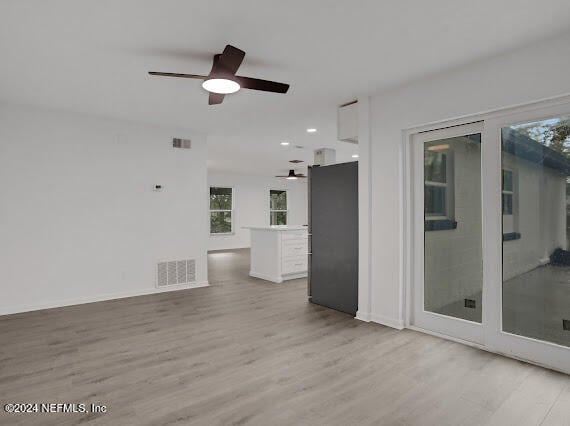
278 201
555 135
220 220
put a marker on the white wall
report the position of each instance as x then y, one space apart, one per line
529 74
541 216
251 205
79 220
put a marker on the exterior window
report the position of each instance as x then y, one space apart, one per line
508 192
436 191
277 207
221 209
508 202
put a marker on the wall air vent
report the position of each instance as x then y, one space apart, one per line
181 143
175 272
470 303
347 122
566 324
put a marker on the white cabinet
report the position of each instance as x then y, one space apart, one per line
278 253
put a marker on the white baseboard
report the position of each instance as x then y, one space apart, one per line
228 249
389 322
275 279
295 276
99 298
363 316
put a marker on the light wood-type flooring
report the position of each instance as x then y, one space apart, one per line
249 352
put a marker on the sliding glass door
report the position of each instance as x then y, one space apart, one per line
529 288
490 233
448 244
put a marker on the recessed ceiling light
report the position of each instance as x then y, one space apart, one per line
284 143
311 130
221 85
354 155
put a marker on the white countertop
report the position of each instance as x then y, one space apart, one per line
278 228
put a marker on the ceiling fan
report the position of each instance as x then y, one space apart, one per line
222 79
292 175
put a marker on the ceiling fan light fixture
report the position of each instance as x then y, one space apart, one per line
222 86
291 175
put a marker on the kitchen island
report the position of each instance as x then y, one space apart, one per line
278 253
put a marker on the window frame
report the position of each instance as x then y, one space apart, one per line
231 211
286 211
512 233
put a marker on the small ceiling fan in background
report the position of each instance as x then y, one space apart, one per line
292 175
222 79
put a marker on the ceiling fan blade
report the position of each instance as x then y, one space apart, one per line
215 98
229 61
174 74
264 85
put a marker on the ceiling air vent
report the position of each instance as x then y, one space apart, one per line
295 161
176 272
181 143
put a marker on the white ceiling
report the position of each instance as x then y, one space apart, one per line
92 56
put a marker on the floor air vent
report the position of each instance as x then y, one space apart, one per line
176 272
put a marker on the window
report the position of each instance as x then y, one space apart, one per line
508 192
436 192
439 197
508 202
221 209
277 207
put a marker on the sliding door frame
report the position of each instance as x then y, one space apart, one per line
532 349
422 318
494 338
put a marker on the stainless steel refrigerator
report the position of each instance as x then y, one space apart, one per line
333 236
